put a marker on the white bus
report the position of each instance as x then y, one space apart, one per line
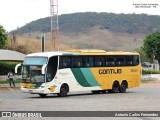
80 70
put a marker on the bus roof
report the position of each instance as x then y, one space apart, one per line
87 51
101 52
81 52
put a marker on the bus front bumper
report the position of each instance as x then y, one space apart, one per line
33 91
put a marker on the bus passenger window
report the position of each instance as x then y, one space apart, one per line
120 60
129 60
63 65
99 61
118 63
77 64
77 61
107 63
110 61
65 62
135 60
88 61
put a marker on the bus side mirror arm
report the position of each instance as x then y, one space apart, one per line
43 69
16 68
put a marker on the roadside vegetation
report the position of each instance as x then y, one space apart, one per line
7 81
3 37
148 81
150 72
77 23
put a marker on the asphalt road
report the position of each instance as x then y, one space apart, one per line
143 98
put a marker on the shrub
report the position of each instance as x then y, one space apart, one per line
150 72
6 81
6 66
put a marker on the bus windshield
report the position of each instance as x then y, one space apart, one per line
31 71
32 74
35 61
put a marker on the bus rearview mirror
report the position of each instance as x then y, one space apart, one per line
43 69
16 68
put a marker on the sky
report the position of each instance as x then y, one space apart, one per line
17 13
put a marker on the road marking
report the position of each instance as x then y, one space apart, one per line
10 89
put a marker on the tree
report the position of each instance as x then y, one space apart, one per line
151 46
3 37
142 54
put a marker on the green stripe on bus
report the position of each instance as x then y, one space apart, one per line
80 77
84 77
89 76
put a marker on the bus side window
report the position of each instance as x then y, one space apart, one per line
135 60
107 63
129 60
99 60
65 62
77 61
63 65
118 63
120 60
110 61
87 61
99 63
78 64
129 63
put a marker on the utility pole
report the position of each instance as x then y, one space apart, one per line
54 24
43 43
13 41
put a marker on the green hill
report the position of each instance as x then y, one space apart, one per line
92 30
81 22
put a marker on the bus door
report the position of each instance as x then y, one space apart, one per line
51 68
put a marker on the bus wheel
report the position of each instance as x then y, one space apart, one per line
63 91
123 87
43 95
115 87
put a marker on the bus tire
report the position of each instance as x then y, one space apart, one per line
63 91
43 95
123 87
115 87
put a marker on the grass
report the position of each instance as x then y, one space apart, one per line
29 44
144 72
7 81
147 81
95 38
